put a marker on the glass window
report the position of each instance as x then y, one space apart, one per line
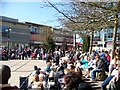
118 35
40 30
34 30
4 31
4 28
110 35
105 38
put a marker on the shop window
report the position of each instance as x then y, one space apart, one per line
34 30
118 35
110 35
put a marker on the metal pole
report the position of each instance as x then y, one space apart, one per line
75 41
8 38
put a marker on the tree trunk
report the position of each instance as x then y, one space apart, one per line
115 34
86 43
91 42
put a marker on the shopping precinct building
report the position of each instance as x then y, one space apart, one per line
21 34
14 33
104 39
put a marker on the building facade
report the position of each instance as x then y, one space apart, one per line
38 33
63 38
104 39
13 33
19 35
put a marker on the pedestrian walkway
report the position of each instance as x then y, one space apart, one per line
25 67
22 68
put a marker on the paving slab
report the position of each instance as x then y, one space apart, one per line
22 68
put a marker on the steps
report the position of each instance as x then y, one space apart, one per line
96 85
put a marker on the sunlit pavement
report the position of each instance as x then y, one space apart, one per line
26 67
22 68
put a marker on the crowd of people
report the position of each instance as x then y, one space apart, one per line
66 70
24 53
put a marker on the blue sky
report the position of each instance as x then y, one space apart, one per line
31 12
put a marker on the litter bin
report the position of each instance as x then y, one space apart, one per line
23 82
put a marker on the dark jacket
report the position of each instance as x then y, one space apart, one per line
84 86
9 88
100 64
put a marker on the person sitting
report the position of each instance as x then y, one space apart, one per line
73 81
66 70
115 82
112 74
37 85
35 81
79 72
91 65
5 73
71 68
36 70
107 61
84 62
99 67
42 80
48 67
113 64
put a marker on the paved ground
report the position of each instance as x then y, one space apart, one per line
22 68
26 67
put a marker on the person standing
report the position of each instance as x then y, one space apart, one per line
48 57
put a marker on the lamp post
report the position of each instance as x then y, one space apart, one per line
8 36
74 39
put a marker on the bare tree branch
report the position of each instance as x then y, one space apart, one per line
60 11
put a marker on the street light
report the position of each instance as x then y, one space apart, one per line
74 38
8 35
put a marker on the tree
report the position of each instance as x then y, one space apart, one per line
85 18
113 10
89 17
49 44
86 43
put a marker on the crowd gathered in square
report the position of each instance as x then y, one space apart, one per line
67 69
